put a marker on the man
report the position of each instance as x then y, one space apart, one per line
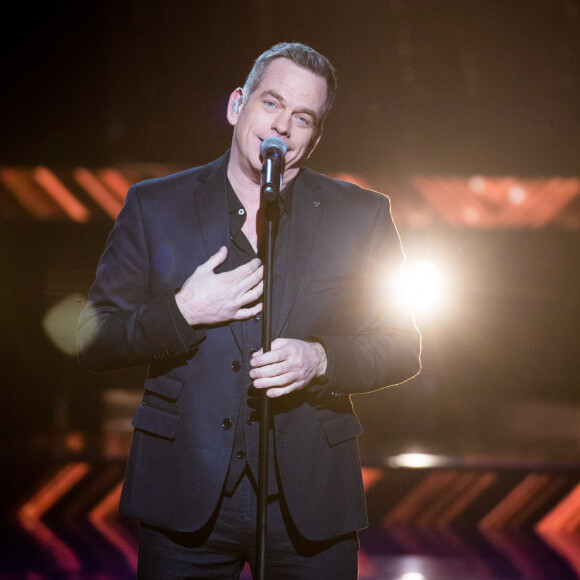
179 288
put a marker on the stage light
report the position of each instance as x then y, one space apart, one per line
421 285
414 460
411 568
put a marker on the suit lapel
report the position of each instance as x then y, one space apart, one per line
307 209
211 207
212 213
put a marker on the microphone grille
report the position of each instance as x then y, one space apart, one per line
275 142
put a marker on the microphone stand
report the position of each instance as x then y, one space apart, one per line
272 214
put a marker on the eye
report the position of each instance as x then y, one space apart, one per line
303 120
269 104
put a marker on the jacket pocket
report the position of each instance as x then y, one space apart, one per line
166 387
156 421
341 429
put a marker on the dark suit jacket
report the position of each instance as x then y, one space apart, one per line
344 252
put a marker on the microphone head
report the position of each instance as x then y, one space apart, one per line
273 143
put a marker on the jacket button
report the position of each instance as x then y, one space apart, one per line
240 454
227 424
236 366
256 318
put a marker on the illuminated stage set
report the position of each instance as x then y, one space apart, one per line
470 483
466 115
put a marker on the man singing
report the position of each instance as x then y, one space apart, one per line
179 288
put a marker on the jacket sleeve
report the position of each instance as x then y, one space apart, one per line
124 324
384 347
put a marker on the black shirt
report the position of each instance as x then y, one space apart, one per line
245 450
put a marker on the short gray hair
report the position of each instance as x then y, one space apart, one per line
301 55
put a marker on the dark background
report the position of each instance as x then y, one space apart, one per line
425 88
439 87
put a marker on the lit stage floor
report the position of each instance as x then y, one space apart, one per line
447 523
79 552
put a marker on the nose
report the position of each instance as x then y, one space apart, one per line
282 123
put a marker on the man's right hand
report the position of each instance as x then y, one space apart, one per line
208 298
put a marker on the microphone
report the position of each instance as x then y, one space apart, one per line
272 150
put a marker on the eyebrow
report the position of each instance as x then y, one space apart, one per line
280 98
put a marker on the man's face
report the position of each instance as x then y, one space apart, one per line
287 103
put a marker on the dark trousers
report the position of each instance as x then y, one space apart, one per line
221 548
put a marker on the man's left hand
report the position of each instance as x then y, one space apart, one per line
289 365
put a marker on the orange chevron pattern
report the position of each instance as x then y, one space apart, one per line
439 499
502 202
53 490
517 507
499 499
567 545
81 194
102 516
565 516
71 511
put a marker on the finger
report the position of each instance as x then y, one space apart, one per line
244 277
252 294
280 392
242 272
251 279
260 358
275 393
245 313
277 369
214 261
278 381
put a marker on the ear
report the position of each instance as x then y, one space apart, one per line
314 142
235 104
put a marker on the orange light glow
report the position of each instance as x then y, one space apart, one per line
55 188
109 202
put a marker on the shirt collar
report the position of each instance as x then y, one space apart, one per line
285 199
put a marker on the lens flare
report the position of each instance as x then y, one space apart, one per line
421 285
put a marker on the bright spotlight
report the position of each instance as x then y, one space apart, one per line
414 460
421 285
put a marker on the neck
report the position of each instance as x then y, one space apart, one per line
247 190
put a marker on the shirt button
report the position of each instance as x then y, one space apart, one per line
227 424
236 366
240 454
